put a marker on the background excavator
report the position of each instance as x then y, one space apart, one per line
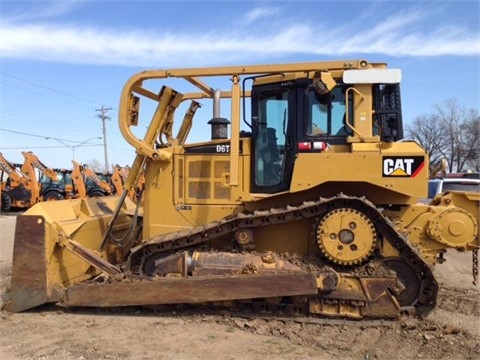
80 182
17 189
32 162
90 184
36 170
313 209
21 188
26 183
60 188
120 175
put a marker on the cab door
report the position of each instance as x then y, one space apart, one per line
273 113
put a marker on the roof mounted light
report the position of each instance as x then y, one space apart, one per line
372 76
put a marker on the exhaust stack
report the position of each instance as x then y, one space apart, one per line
219 124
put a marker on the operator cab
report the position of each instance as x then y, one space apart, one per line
294 116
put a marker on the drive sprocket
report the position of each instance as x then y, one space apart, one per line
346 236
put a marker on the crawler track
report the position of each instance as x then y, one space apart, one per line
185 240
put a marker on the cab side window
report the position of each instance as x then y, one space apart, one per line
326 113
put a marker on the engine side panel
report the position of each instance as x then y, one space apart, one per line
395 175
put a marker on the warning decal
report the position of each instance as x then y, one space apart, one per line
401 166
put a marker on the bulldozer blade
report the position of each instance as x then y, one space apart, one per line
57 245
29 270
191 290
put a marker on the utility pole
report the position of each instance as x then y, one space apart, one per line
103 116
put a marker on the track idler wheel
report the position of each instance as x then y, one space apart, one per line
346 236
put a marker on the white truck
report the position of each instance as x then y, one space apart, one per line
438 186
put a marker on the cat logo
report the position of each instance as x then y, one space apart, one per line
399 166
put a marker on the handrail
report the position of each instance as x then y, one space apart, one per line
347 115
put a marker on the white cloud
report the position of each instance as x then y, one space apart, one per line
259 13
45 9
400 35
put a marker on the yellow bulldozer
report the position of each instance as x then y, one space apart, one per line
309 207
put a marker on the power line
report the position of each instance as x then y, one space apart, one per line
41 147
47 95
122 149
39 136
14 114
48 88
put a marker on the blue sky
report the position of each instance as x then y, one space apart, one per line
62 60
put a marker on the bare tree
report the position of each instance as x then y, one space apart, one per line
428 132
95 165
450 133
450 119
471 130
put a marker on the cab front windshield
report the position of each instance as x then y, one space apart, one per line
46 180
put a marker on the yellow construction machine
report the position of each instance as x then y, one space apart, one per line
310 207
88 183
19 183
60 188
120 175
23 187
79 182
31 165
